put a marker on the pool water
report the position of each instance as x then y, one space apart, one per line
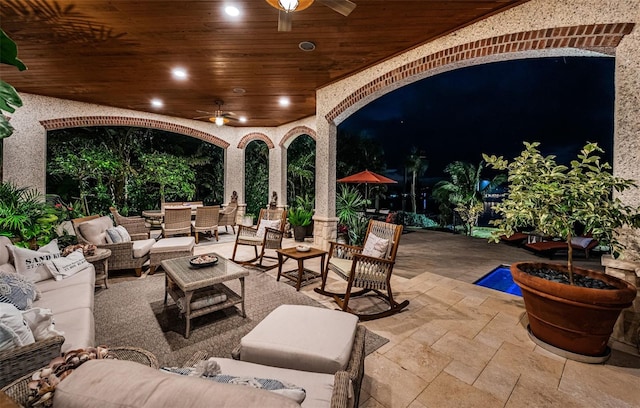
500 279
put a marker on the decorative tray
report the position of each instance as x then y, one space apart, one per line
203 261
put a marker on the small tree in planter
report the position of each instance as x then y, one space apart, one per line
555 200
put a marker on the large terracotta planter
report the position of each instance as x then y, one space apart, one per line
575 319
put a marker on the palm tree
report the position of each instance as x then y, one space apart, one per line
416 164
464 191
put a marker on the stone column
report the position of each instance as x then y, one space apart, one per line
278 174
234 171
325 222
627 328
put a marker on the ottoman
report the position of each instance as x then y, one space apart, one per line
169 248
303 338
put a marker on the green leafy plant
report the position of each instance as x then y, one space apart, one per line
9 99
300 217
556 199
25 217
349 206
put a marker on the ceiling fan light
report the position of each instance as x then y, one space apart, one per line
288 5
219 121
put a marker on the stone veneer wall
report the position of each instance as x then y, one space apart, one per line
534 29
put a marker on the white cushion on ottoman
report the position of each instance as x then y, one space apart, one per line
177 244
302 338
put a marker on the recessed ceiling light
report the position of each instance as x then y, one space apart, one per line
179 73
307 46
242 119
239 90
232 11
157 103
284 101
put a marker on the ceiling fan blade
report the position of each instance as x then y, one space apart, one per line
344 7
207 112
202 117
284 21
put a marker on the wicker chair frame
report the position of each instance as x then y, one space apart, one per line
137 227
369 274
206 221
121 253
177 221
272 237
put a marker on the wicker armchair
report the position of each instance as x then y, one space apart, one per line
20 361
176 221
369 273
228 216
137 227
206 221
123 254
262 236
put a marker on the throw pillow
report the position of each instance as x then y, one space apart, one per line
8 338
275 224
30 263
12 318
117 234
375 246
67 266
581 242
41 323
20 291
94 230
294 392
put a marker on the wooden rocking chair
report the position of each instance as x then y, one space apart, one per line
367 268
267 236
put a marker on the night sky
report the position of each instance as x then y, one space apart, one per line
492 108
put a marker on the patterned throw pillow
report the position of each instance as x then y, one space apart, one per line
18 290
30 263
118 234
375 246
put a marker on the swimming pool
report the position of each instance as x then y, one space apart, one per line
500 279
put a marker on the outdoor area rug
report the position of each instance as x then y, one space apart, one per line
132 313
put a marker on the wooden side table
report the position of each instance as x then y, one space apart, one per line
100 261
301 273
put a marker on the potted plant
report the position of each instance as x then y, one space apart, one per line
569 308
349 209
300 218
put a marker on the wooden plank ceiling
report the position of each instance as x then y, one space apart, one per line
120 52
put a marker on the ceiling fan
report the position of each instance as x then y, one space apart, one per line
287 7
218 117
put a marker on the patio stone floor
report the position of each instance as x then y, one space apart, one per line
462 345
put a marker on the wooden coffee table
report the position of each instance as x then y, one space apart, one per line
302 273
183 281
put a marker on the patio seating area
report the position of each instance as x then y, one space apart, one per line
462 345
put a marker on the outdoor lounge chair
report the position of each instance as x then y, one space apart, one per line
368 268
177 221
268 235
549 248
228 215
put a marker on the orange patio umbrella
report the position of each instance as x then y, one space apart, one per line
367 177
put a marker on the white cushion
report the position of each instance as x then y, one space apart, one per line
581 242
86 278
344 265
40 321
182 244
78 326
30 263
138 386
275 224
375 246
95 231
301 338
65 299
67 266
12 318
142 247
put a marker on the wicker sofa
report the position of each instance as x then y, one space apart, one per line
71 301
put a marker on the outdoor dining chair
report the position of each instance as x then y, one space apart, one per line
366 269
177 221
267 235
206 221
